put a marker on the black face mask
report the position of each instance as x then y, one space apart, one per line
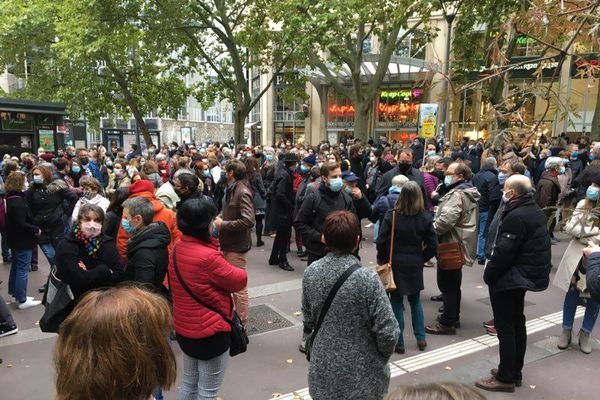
84 160
439 174
404 168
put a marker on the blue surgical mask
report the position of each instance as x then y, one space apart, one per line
304 169
348 189
574 155
213 231
269 157
591 156
76 169
206 173
127 226
431 153
336 184
562 170
38 179
592 193
502 178
448 180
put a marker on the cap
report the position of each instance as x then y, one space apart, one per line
290 158
349 176
311 159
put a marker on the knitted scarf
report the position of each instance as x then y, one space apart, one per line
92 245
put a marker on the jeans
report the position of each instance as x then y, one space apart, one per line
449 284
202 379
240 298
375 231
19 274
483 217
280 244
509 320
50 252
5 249
572 300
416 313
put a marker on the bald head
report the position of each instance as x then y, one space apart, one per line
519 183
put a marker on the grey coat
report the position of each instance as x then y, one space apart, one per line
350 353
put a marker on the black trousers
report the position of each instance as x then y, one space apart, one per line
259 226
280 244
449 284
509 321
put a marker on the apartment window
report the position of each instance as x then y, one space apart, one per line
413 46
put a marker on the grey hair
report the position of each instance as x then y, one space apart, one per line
553 162
489 163
431 162
519 183
399 180
140 206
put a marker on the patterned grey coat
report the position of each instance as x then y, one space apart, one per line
350 353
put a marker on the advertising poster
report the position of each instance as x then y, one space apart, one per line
186 135
46 139
428 120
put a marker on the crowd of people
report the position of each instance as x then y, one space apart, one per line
179 220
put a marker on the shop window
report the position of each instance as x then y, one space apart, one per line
399 107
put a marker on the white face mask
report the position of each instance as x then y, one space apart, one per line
91 229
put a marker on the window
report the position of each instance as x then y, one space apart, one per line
413 46
367 45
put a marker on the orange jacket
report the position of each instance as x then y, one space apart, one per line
145 188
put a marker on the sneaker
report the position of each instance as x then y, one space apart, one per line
369 225
14 299
28 304
492 331
488 324
6 329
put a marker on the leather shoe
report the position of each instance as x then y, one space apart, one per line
301 254
272 262
439 329
286 266
492 384
399 349
42 289
494 372
421 344
436 298
456 324
260 243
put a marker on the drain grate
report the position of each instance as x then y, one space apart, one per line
263 318
486 300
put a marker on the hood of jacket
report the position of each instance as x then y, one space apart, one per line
153 236
469 191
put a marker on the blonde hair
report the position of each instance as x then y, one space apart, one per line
399 180
436 391
114 346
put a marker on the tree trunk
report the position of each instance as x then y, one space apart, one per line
143 128
238 126
595 132
361 122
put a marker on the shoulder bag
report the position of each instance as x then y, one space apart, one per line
385 271
451 255
325 308
239 337
58 301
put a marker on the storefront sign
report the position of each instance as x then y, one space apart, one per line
341 110
428 120
526 68
46 137
404 94
16 122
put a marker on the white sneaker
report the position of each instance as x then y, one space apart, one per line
370 224
14 299
28 304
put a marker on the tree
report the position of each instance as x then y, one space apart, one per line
222 41
553 28
98 56
332 33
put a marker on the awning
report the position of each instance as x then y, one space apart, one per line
251 125
36 107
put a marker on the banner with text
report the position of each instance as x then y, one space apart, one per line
427 120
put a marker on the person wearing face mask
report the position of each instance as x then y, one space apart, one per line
548 190
21 232
144 188
62 172
521 262
385 203
259 197
118 179
87 259
404 167
372 174
90 195
570 276
187 188
89 166
455 221
75 172
352 188
164 168
486 182
51 203
147 248
282 208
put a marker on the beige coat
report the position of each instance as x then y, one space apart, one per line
457 217
582 230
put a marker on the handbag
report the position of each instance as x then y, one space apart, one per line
385 272
451 255
238 335
338 284
58 301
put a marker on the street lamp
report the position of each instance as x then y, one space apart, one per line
450 9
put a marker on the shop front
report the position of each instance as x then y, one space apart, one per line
26 126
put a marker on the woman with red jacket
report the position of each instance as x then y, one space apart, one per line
202 334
